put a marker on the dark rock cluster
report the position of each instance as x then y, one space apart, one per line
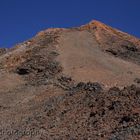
3 51
96 87
127 52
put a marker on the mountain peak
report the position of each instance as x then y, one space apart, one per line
102 31
95 24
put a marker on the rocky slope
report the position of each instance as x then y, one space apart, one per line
75 83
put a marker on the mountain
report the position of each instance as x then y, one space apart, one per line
75 83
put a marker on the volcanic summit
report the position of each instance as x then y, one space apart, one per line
78 83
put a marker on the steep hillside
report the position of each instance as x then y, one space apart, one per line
80 84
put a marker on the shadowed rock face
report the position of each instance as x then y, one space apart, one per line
73 83
3 51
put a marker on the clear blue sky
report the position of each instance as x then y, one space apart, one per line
22 19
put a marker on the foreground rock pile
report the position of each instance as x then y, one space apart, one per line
83 112
89 114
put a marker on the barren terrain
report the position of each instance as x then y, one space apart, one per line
78 84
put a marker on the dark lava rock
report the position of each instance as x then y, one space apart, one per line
22 71
137 80
114 91
96 87
3 51
125 119
130 47
111 51
128 52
